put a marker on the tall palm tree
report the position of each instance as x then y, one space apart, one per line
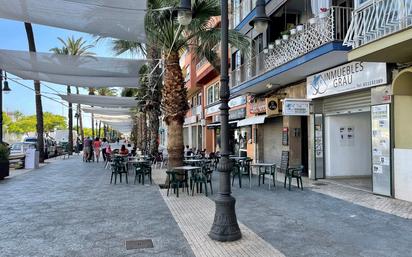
39 107
73 46
166 39
200 36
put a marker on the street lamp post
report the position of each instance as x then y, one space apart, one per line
6 89
225 226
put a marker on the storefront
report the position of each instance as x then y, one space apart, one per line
351 126
192 133
277 124
236 137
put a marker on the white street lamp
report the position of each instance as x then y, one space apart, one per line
184 12
261 20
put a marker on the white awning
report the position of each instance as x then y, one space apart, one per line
113 118
84 71
252 120
106 111
102 101
118 19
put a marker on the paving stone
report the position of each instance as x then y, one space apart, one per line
69 208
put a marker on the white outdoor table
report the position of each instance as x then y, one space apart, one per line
260 165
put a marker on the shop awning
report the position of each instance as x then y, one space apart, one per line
217 124
83 71
252 121
107 18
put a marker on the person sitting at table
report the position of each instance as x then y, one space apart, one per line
124 150
108 150
187 149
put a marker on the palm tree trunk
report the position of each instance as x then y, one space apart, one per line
92 125
79 112
154 112
144 131
70 114
39 107
175 106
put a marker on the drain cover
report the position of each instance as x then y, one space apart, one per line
139 244
319 184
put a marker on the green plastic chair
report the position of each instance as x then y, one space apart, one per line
176 180
141 171
118 169
267 171
241 168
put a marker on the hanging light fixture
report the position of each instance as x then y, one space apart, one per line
6 88
184 12
261 20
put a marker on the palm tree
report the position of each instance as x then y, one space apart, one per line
73 46
200 36
107 91
39 107
166 39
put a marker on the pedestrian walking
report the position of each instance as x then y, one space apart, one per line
96 146
105 144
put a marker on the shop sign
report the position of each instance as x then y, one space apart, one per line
258 107
233 115
237 114
346 78
240 100
272 106
190 120
295 107
212 109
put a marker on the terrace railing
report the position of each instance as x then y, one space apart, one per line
378 19
317 32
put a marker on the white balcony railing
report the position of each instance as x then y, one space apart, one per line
331 28
378 19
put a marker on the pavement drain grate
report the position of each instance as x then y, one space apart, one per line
319 184
139 244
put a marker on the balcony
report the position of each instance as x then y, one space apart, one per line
381 31
312 36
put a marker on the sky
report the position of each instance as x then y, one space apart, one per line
13 37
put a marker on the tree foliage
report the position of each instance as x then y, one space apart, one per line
25 124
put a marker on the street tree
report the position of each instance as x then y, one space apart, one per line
39 106
72 46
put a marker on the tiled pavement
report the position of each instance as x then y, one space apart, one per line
68 208
194 215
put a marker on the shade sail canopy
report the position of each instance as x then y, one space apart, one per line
112 118
84 71
107 111
102 101
251 121
123 19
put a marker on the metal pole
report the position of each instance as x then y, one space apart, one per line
225 226
1 106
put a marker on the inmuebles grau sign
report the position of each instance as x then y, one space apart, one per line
346 78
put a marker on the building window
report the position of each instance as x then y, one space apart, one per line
187 77
213 93
361 3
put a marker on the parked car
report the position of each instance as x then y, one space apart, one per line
50 146
18 149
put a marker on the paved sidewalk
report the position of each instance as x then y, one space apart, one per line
194 215
68 208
